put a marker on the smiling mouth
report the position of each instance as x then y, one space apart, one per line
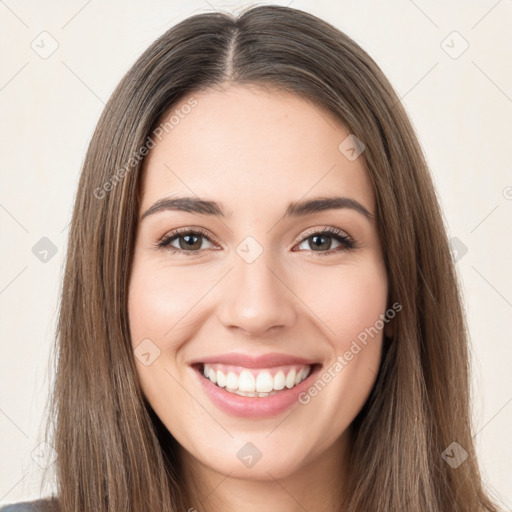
255 382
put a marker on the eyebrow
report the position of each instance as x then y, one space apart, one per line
294 209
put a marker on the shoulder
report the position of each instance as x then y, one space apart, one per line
43 505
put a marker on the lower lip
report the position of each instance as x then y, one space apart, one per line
254 407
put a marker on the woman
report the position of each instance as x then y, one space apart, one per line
259 308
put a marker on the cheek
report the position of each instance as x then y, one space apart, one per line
160 300
348 301
351 309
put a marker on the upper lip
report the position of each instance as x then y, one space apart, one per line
247 361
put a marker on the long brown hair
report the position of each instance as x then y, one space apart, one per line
113 451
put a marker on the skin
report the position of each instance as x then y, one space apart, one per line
254 151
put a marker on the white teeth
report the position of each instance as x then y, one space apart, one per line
243 393
246 382
290 379
221 379
260 384
303 375
264 383
232 381
279 380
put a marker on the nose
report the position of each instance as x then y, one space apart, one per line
256 298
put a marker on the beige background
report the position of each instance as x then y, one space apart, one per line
459 101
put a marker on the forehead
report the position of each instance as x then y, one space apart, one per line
250 148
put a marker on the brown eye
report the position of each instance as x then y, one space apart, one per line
186 241
321 241
190 242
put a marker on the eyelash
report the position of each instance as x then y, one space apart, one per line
347 243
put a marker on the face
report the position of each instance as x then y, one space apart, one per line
272 302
